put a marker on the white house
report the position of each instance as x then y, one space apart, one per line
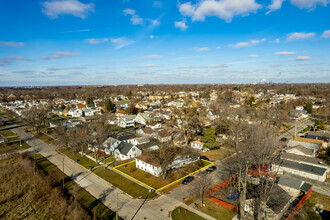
197 145
147 132
149 164
154 125
142 118
139 141
110 145
126 151
127 121
88 112
76 112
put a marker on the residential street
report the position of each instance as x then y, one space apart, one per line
108 194
299 127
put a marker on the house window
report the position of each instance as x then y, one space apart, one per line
133 149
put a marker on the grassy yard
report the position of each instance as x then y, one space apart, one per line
88 201
218 154
307 212
133 189
44 137
82 160
159 182
217 211
181 213
126 185
11 136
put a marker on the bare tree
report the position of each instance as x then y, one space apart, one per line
201 186
188 123
36 117
255 151
165 155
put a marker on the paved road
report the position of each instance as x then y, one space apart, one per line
299 126
158 208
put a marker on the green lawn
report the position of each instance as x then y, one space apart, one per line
217 211
159 182
44 137
123 183
218 154
7 133
181 213
126 185
82 160
89 202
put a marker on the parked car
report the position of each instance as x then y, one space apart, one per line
204 158
283 139
202 173
187 180
211 169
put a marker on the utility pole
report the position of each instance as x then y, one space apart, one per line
117 207
63 171
295 128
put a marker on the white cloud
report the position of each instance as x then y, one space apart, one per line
218 47
309 4
135 19
121 42
129 11
203 49
97 40
59 55
181 25
299 35
302 58
150 65
284 53
12 44
248 44
274 6
257 41
277 40
151 36
241 44
223 9
326 34
10 59
67 7
253 56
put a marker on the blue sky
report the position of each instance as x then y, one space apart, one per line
83 42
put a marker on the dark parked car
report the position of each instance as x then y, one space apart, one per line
211 169
204 158
283 139
187 180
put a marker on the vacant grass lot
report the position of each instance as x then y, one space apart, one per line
44 137
181 213
133 189
82 160
218 154
217 211
159 182
89 202
11 136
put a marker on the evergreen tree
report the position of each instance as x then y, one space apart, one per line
109 105
209 139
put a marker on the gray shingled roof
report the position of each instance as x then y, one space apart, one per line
290 182
278 199
301 158
124 148
302 167
305 187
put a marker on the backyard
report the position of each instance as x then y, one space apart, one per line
218 154
126 185
158 182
